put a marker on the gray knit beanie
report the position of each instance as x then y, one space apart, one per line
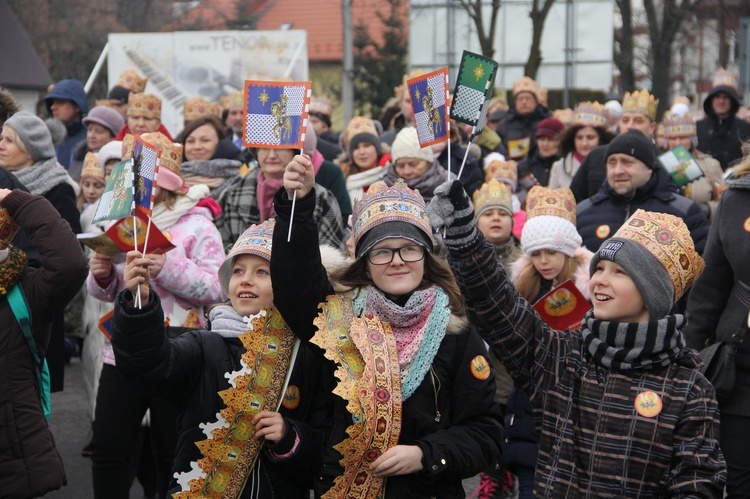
34 134
647 272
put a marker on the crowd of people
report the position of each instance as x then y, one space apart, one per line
355 320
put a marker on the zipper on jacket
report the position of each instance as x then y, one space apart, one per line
435 390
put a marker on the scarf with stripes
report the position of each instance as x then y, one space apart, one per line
634 345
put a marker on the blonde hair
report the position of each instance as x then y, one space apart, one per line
529 280
744 165
16 138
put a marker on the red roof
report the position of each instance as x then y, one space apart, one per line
322 19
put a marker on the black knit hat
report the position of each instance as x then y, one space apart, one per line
119 93
635 144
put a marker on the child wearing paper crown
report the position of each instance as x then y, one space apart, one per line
185 279
551 246
620 407
207 374
92 183
416 377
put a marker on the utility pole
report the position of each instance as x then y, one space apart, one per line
569 13
347 84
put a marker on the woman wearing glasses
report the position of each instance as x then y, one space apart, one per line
415 379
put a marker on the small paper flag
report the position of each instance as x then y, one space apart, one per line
105 324
145 161
475 83
117 200
564 307
124 236
276 114
429 94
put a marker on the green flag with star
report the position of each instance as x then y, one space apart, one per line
474 86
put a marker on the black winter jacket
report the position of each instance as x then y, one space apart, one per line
515 126
467 437
722 138
537 166
189 370
600 216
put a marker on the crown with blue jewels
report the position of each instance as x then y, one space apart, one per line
679 126
590 114
381 204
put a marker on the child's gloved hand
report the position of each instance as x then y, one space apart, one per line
451 210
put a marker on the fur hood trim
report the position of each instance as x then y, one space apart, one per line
580 276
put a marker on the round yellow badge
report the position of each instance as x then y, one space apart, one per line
648 404
602 231
291 398
480 368
747 224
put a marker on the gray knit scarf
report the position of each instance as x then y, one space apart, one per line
226 322
41 177
634 345
426 184
219 167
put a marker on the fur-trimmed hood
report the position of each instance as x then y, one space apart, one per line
333 260
580 276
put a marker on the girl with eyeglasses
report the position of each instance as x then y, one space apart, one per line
416 413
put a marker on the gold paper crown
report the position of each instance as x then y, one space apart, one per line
321 105
554 202
493 194
103 102
640 102
381 204
526 84
679 126
197 107
91 167
129 79
591 114
255 241
235 99
543 92
146 105
171 153
358 124
8 228
500 170
725 78
681 99
668 239
566 116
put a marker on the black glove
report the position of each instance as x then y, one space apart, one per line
451 210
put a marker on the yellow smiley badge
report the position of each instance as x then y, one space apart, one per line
291 398
480 368
648 404
747 224
602 231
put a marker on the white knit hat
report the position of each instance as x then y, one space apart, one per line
406 145
550 221
109 151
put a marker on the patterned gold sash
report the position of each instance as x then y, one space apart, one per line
369 376
230 452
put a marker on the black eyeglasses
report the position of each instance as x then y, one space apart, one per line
384 256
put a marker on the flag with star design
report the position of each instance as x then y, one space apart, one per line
429 101
474 86
276 114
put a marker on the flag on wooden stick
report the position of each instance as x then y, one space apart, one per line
276 114
474 86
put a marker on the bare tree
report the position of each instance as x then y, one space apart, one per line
663 27
623 56
486 37
538 17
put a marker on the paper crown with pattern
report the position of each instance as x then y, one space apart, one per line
493 194
146 105
256 240
526 84
679 126
91 167
667 238
131 80
321 105
235 99
725 78
640 102
591 114
553 202
382 204
197 107
502 170
566 116
102 102
681 99
8 228
358 124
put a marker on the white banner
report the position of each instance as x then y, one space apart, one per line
208 64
